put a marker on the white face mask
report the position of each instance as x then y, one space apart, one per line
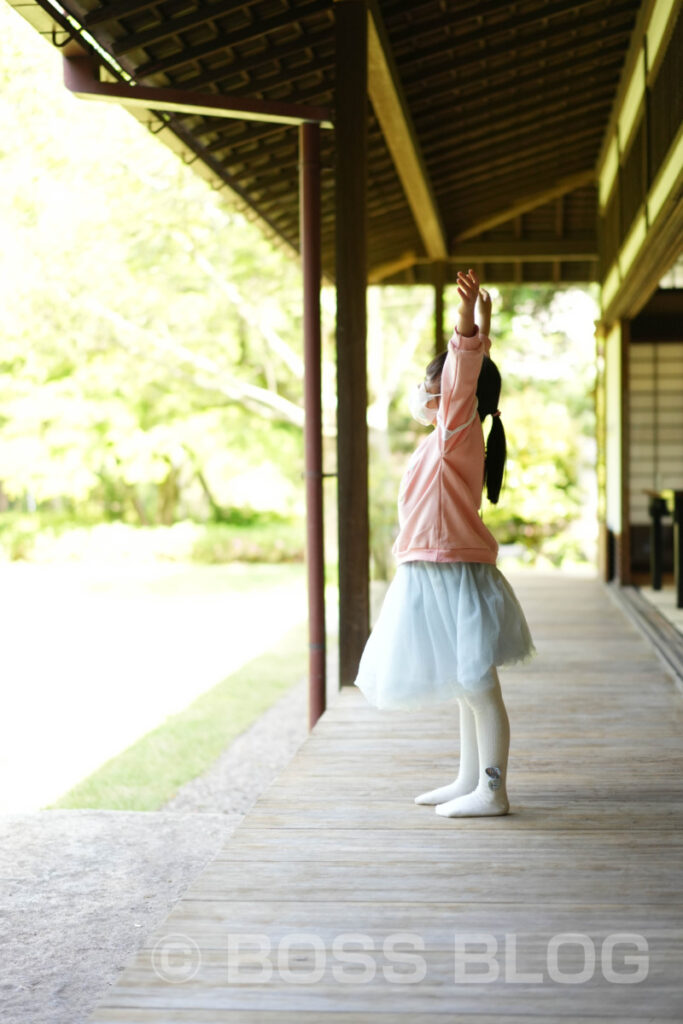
418 405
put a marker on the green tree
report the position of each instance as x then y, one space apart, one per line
151 337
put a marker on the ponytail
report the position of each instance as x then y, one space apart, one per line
488 394
496 451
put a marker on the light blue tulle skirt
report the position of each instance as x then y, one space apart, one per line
440 629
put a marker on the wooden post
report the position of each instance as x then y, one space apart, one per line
351 277
624 549
678 547
439 281
309 213
657 509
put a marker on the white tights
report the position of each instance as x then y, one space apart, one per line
480 786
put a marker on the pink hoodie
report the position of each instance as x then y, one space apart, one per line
440 493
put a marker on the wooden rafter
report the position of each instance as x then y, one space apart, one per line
256 30
444 59
523 205
516 250
528 250
391 267
394 118
313 40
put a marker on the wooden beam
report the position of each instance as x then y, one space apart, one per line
624 542
81 78
391 267
560 187
583 250
498 273
351 117
559 234
526 250
519 234
393 115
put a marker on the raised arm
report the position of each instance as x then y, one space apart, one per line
468 290
466 349
483 312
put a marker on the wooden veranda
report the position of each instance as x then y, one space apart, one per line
570 905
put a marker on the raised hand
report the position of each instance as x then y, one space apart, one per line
468 290
483 311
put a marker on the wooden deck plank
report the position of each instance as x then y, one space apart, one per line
336 846
201 1016
489 879
311 844
205 921
538 810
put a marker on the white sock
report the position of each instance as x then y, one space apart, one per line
493 740
468 770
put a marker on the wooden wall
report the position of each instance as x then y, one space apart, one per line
641 165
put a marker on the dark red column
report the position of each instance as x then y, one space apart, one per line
309 207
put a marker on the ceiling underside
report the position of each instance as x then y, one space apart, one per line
507 100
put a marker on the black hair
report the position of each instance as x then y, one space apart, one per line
488 396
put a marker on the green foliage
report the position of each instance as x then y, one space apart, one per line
545 349
147 328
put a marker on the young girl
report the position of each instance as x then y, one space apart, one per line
449 616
